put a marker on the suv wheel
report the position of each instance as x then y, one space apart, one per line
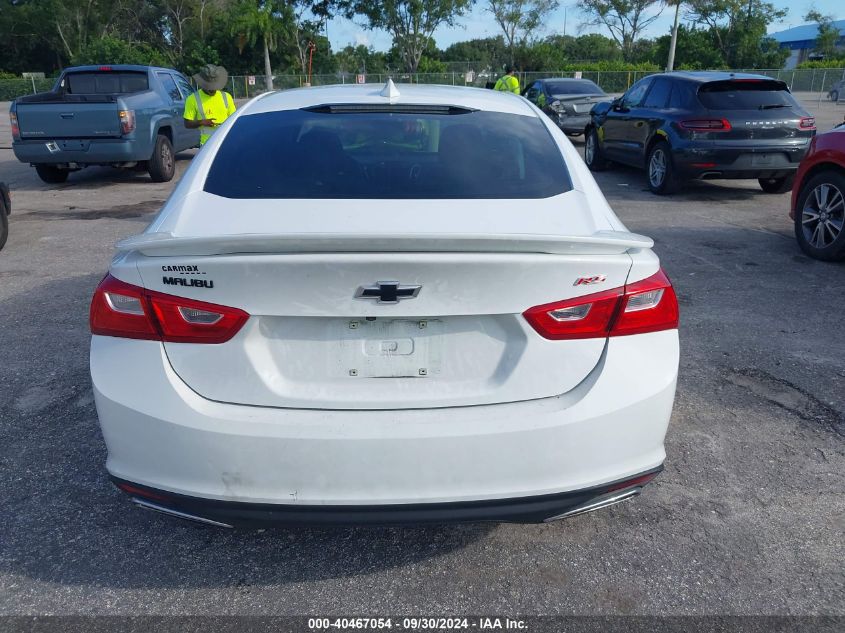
820 216
162 164
834 95
51 175
776 185
660 169
593 155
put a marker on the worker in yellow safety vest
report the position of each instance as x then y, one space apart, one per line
210 106
508 82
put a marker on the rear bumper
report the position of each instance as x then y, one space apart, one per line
536 509
706 161
165 437
93 152
573 124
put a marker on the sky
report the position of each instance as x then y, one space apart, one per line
480 23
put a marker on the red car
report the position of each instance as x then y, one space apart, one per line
818 197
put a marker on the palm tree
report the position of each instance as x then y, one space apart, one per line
255 20
670 64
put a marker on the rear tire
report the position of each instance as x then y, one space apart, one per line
776 185
51 174
660 169
820 217
593 155
162 165
834 95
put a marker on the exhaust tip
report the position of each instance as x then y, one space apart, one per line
597 503
154 507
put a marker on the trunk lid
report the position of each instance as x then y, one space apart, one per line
312 343
579 104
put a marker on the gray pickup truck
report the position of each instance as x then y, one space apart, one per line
122 116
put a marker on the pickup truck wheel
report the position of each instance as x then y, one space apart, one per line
162 164
51 175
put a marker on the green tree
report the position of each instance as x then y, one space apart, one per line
259 21
625 20
484 54
828 35
110 50
430 65
411 23
306 20
360 59
694 50
738 29
519 19
594 47
48 34
645 51
539 56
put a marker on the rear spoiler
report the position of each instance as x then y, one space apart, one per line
599 243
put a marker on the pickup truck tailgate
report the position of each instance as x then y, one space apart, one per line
60 120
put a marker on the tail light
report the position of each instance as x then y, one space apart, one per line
127 121
16 130
807 123
706 125
644 306
126 311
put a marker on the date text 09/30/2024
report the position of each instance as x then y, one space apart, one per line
416 624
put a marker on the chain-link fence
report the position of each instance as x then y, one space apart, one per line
16 87
818 80
814 80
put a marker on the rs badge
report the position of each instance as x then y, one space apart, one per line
588 281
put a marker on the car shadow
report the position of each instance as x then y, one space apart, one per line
24 178
145 209
621 182
64 523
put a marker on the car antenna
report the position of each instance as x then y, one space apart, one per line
390 91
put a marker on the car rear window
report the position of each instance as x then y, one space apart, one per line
745 94
349 152
575 87
105 82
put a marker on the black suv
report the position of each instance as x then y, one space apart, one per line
685 125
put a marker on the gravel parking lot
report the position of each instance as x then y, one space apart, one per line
746 519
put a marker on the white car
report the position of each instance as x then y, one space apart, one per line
382 305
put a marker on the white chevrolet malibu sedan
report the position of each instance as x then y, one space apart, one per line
368 304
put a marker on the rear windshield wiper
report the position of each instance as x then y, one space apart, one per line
772 106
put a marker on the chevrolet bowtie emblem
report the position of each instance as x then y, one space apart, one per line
387 292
